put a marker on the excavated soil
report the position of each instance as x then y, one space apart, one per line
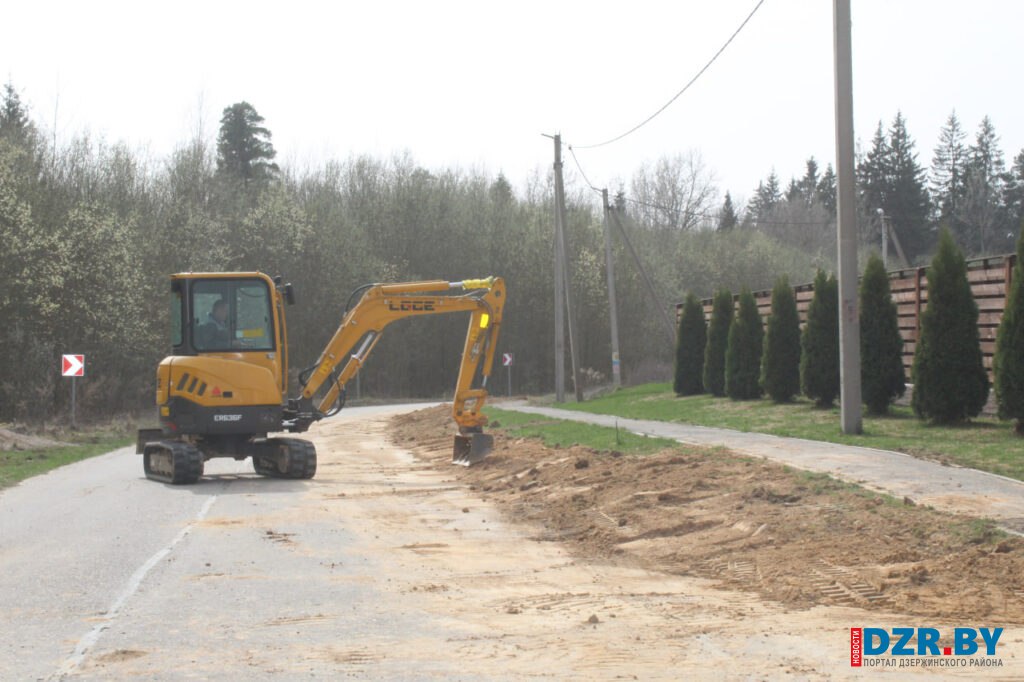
795 538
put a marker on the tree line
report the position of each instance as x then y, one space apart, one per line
967 189
90 231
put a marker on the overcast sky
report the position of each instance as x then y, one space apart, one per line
476 83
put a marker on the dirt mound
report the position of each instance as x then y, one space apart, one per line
795 537
10 440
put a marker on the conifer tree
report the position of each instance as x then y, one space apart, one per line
743 355
780 366
819 361
244 149
690 343
1008 363
950 382
881 346
727 219
718 342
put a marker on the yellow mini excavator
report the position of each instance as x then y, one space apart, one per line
225 387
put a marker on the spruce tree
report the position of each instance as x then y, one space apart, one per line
950 383
819 361
743 355
718 342
727 218
881 346
1008 364
780 366
690 343
244 149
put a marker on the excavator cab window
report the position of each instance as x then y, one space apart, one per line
231 315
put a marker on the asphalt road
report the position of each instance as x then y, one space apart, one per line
95 558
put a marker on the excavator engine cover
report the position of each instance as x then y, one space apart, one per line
470 448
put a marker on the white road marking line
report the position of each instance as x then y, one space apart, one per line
93 636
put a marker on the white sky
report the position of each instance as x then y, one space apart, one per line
475 83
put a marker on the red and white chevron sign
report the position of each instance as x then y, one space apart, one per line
72 365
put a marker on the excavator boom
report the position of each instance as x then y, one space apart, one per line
323 385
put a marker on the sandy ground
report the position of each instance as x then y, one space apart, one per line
756 562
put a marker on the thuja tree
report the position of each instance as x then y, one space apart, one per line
690 343
718 342
780 366
882 377
743 355
819 361
1009 359
950 383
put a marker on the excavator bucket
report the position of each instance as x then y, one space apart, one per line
471 448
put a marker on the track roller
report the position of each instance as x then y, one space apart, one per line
171 461
295 458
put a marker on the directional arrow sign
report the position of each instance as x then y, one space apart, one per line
72 365
506 359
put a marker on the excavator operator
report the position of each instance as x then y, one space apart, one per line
214 333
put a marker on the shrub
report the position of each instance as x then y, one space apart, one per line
743 355
780 366
1008 366
882 377
950 383
718 342
690 342
819 359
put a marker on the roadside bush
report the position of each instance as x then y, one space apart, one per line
819 358
780 366
690 342
718 342
743 355
882 377
950 383
1008 366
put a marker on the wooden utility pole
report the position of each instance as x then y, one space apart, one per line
613 314
561 254
559 286
849 322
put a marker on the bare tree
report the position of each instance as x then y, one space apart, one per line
675 192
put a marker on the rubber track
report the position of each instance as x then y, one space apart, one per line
186 463
300 460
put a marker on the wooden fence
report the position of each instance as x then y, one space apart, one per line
989 277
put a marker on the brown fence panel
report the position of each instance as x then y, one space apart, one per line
989 278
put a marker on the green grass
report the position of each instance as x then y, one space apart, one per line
558 433
17 465
986 443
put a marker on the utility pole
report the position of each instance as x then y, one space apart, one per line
670 328
561 254
613 314
559 287
570 311
849 322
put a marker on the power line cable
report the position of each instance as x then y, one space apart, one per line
685 87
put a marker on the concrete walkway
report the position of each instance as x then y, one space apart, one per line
948 488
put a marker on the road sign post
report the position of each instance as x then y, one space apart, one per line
72 366
507 359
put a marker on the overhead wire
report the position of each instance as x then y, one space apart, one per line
685 87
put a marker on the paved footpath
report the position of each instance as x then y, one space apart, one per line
948 488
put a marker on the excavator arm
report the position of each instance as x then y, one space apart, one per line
361 328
